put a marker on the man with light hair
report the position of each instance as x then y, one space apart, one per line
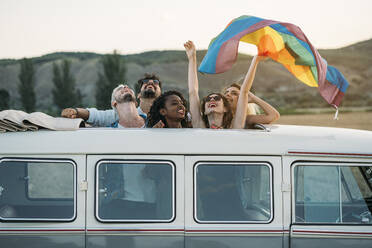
148 89
124 104
123 101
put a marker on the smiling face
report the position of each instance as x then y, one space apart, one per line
150 88
232 95
214 104
174 108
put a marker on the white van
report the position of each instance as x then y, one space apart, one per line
286 186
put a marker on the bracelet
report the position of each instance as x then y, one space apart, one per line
77 112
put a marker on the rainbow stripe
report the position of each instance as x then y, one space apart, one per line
282 42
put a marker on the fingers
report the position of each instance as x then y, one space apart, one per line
189 45
160 124
69 113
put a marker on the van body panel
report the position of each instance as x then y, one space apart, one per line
227 232
280 140
127 233
47 233
43 240
206 188
331 236
336 234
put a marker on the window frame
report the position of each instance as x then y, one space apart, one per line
123 161
46 160
234 163
322 163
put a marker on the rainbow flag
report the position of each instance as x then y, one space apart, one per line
282 42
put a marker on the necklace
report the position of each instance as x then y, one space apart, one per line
215 127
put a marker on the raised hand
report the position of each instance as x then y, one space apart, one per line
160 124
190 49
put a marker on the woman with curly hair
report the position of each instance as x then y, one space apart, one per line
216 111
169 110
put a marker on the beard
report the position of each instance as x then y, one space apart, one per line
125 98
148 93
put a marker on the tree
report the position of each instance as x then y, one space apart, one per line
114 73
64 93
26 88
4 99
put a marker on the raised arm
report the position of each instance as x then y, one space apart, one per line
193 84
241 109
271 114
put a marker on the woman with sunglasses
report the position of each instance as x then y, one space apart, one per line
169 110
215 112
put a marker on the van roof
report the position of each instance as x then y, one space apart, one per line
282 139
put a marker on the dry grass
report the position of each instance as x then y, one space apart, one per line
356 120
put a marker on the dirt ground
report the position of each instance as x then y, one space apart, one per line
356 120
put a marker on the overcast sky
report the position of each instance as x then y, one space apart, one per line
30 28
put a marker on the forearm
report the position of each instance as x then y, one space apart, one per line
194 100
270 113
101 118
249 77
82 113
193 82
241 110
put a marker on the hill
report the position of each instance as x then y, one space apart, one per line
273 82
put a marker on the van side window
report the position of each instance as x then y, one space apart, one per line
233 192
135 191
333 194
37 190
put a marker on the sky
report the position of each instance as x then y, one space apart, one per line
31 28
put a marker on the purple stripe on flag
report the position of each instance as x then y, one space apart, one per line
331 93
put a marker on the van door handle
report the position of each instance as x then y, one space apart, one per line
104 190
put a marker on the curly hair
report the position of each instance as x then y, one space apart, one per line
227 116
154 115
139 83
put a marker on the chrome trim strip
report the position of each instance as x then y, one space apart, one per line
248 163
49 160
328 154
329 234
122 161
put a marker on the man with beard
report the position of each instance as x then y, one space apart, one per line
124 103
148 89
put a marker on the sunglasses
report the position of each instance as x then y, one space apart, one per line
146 81
215 97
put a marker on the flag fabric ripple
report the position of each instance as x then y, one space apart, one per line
282 42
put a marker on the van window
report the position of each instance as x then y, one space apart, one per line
233 192
135 191
333 194
37 190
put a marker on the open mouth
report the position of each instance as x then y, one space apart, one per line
150 86
212 105
181 111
